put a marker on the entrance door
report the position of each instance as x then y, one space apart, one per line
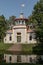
18 37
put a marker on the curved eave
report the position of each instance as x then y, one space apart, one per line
30 31
21 19
8 32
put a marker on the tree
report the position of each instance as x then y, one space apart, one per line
2 27
38 16
32 21
11 20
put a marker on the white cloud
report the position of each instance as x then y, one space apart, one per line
23 5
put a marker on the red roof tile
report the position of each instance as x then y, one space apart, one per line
9 31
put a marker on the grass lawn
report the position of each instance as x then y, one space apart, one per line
28 48
4 47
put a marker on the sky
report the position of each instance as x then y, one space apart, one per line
15 7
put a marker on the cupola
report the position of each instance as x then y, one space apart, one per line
21 20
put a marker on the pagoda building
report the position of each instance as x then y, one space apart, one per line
20 32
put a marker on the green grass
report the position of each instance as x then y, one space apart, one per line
4 47
27 48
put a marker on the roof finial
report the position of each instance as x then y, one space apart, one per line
21 15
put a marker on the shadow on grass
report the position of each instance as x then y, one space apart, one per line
38 49
18 64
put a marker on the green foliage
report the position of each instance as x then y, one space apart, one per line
38 49
4 47
38 12
2 27
32 20
37 20
38 16
27 48
11 20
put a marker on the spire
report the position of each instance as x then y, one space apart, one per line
21 15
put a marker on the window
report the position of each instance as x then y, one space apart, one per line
18 58
10 38
18 37
10 58
30 59
18 33
30 38
22 22
34 36
31 27
5 39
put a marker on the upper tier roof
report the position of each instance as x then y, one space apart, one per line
21 17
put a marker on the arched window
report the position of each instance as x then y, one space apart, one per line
10 38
